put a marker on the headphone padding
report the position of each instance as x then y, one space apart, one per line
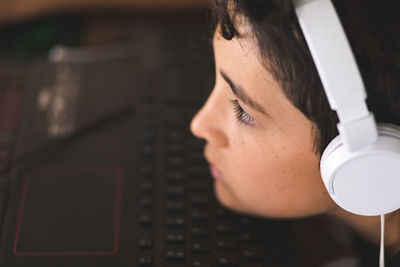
365 182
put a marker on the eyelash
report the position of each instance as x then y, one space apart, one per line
242 116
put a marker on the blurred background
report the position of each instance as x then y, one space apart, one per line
75 22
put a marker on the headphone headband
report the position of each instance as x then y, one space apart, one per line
359 168
338 71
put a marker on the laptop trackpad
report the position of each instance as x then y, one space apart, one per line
69 211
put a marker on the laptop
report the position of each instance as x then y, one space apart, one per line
106 171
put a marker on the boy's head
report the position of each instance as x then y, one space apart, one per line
268 120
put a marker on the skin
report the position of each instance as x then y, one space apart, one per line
267 166
270 167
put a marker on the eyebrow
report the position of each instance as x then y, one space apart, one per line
241 94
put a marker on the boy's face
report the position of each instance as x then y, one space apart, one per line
259 146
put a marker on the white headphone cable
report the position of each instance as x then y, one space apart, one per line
382 250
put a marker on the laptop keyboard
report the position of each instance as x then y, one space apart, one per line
180 221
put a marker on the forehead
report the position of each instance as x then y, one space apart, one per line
240 57
241 60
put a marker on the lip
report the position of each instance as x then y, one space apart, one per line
216 173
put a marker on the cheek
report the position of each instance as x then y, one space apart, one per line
267 179
260 163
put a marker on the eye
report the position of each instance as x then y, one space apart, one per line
242 116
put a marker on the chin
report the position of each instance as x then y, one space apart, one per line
227 199
224 197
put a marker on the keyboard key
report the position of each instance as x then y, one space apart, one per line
225 244
195 143
224 228
175 221
149 137
277 252
199 200
200 263
199 231
199 215
149 127
244 221
198 185
175 136
146 172
196 171
146 242
146 186
175 205
249 237
174 176
174 191
175 254
146 202
175 238
200 247
173 116
174 149
146 219
147 152
220 212
195 156
175 162
145 260
227 261
252 253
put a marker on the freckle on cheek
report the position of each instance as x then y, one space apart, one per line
280 187
274 154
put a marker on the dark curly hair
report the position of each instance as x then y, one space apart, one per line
373 30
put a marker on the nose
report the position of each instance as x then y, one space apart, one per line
208 123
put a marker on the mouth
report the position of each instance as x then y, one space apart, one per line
216 173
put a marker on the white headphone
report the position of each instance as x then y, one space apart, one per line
360 167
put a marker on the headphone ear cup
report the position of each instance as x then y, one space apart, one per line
364 182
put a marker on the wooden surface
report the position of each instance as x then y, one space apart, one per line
17 10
